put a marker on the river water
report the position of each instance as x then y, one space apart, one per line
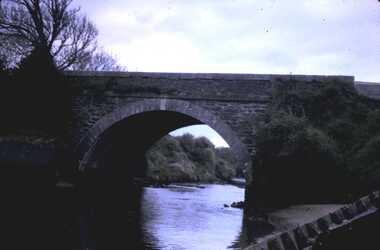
191 217
177 217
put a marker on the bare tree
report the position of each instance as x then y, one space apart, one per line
27 24
98 61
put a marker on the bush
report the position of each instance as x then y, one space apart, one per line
292 158
315 144
224 171
367 164
227 156
188 159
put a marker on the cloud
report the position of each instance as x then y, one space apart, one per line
247 36
337 37
169 49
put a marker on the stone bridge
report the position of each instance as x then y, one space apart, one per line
118 116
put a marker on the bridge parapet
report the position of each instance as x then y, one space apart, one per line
369 89
228 87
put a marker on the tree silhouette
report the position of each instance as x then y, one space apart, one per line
69 36
98 61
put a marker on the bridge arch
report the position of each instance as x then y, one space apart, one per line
183 114
119 139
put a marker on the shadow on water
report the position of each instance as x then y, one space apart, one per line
27 208
251 230
111 215
244 237
102 212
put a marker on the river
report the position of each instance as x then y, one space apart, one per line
191 217
176 217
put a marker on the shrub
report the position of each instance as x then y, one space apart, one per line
187 159
315 143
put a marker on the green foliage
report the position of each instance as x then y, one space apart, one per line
224 170
226 155
367 163
315 144
188 159
276 131
373 122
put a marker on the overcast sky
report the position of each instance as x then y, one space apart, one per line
247 36
338 37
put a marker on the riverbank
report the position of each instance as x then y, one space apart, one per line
333 226
237 182
294 216
273 223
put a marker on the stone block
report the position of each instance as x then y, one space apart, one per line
353 209
275 244
312 229
347 213
360 207
336 218
323 224
366 201
301 237
374 198
288 242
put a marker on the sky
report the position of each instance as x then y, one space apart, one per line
323 37
202 130
339 37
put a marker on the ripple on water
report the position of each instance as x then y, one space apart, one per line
187 217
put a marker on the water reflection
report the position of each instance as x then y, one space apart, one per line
177 217
191 217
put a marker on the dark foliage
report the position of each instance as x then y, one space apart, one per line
188 159
317 142
34 96
227 156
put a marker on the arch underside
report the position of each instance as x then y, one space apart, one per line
130 130
113 157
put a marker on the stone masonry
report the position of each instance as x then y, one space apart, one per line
226 102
